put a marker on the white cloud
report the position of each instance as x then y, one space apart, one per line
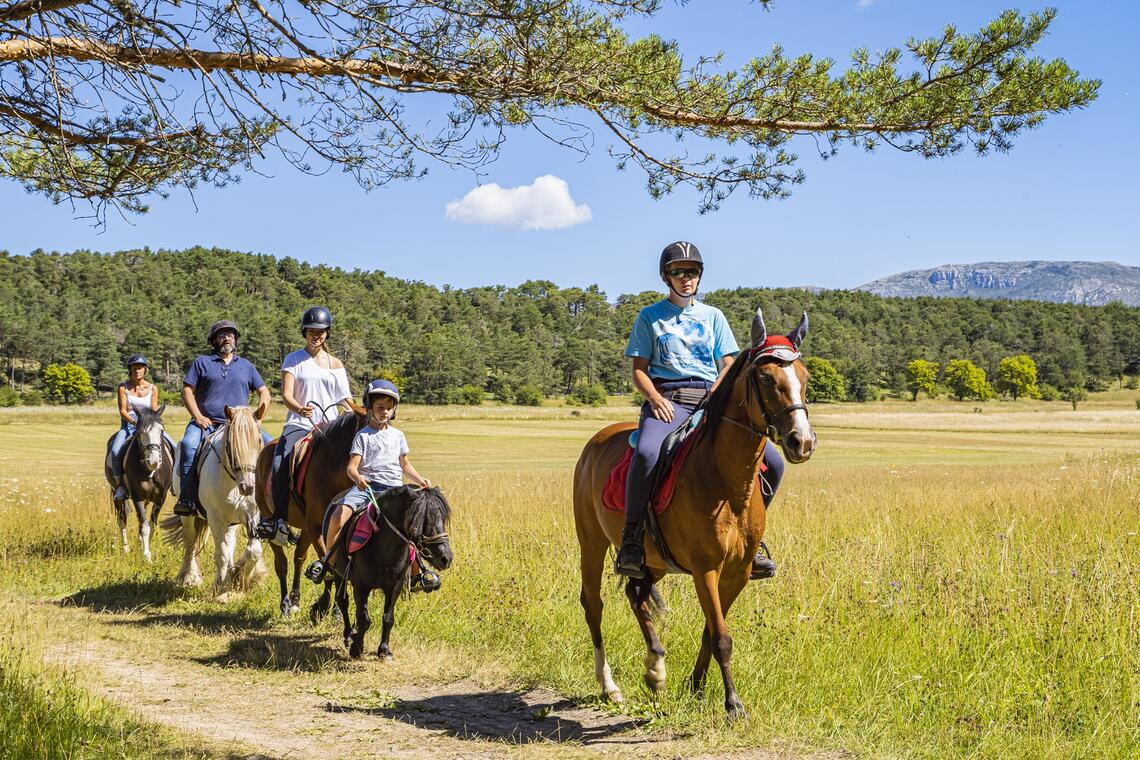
543 205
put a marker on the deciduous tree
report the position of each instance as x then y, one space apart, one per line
1017 376
965 380
921 376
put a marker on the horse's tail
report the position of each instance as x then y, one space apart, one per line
171 530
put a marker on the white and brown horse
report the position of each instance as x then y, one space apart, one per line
227 463
148 469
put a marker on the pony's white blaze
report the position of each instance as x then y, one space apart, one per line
800 423
604 676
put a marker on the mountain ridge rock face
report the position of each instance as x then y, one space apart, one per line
1081 282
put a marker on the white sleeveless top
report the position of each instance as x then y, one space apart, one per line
136 402
315 385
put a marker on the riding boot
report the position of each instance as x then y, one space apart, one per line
120 489
630 560
762 564
187 504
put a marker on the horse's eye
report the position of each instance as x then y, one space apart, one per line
767 380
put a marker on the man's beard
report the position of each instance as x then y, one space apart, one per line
225 349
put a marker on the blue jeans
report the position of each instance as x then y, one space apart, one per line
652 432
279 474
188 477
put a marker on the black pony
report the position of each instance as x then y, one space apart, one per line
407 517
148 469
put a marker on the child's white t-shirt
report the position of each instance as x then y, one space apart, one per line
380 452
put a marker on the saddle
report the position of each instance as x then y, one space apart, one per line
299 463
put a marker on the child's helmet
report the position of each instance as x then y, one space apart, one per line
380 388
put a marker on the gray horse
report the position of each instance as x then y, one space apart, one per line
148 469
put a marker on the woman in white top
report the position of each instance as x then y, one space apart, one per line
136 392
314 385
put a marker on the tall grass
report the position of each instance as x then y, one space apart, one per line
972 598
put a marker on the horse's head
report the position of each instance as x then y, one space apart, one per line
148 434
776 380
242 445
425 523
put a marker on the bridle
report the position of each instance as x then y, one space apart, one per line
755 358
229 463
420 541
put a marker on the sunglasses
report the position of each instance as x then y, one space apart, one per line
678 274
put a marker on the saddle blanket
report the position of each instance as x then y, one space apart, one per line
613 494
365 525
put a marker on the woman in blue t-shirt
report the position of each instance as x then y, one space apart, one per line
680 349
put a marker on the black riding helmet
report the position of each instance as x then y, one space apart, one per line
678 253
217 327
316 318
136 359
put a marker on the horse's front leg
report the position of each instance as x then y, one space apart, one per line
144 528
299 554
121 517
638 593
225 537
341 598
360 596
709 594
389 618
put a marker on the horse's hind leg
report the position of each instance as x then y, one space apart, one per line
342 605
390 597
593 559
121 517
299 554
281 570
638 593
144 528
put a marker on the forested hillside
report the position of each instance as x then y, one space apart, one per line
95 309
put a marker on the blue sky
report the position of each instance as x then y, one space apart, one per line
1066 191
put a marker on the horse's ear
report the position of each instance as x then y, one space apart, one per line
797 335
161 408
759 331
229 412
259 412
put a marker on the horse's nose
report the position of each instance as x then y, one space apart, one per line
444 557
245 489
794 441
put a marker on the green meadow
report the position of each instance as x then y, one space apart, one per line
956 580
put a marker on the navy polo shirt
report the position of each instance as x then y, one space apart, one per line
217 384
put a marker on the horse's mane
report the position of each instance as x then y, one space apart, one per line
145 417
718 402
243 437
339 432
420 505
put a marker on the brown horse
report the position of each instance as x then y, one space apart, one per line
325 478
715 519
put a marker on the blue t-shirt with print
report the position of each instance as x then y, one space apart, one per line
681 343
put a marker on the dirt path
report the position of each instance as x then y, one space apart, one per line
373 709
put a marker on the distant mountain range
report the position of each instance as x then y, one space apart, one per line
1083 282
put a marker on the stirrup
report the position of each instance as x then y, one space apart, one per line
630 560
316 571
426 581
265 529
184 509
762 566
283 535
121 493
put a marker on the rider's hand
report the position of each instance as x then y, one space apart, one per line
662 408
425 483
362 483
306 411
202 422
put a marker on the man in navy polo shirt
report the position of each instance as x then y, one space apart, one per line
213 382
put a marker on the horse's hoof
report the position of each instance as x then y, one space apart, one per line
287 608
613 696
147 557
736 715
355 651
386 656
654 685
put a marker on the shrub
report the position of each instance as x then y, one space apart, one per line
67 383
9 396
1132 383
471 395
32 397
1048 392
637 399
528 395
587 394
1075 395
824 381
